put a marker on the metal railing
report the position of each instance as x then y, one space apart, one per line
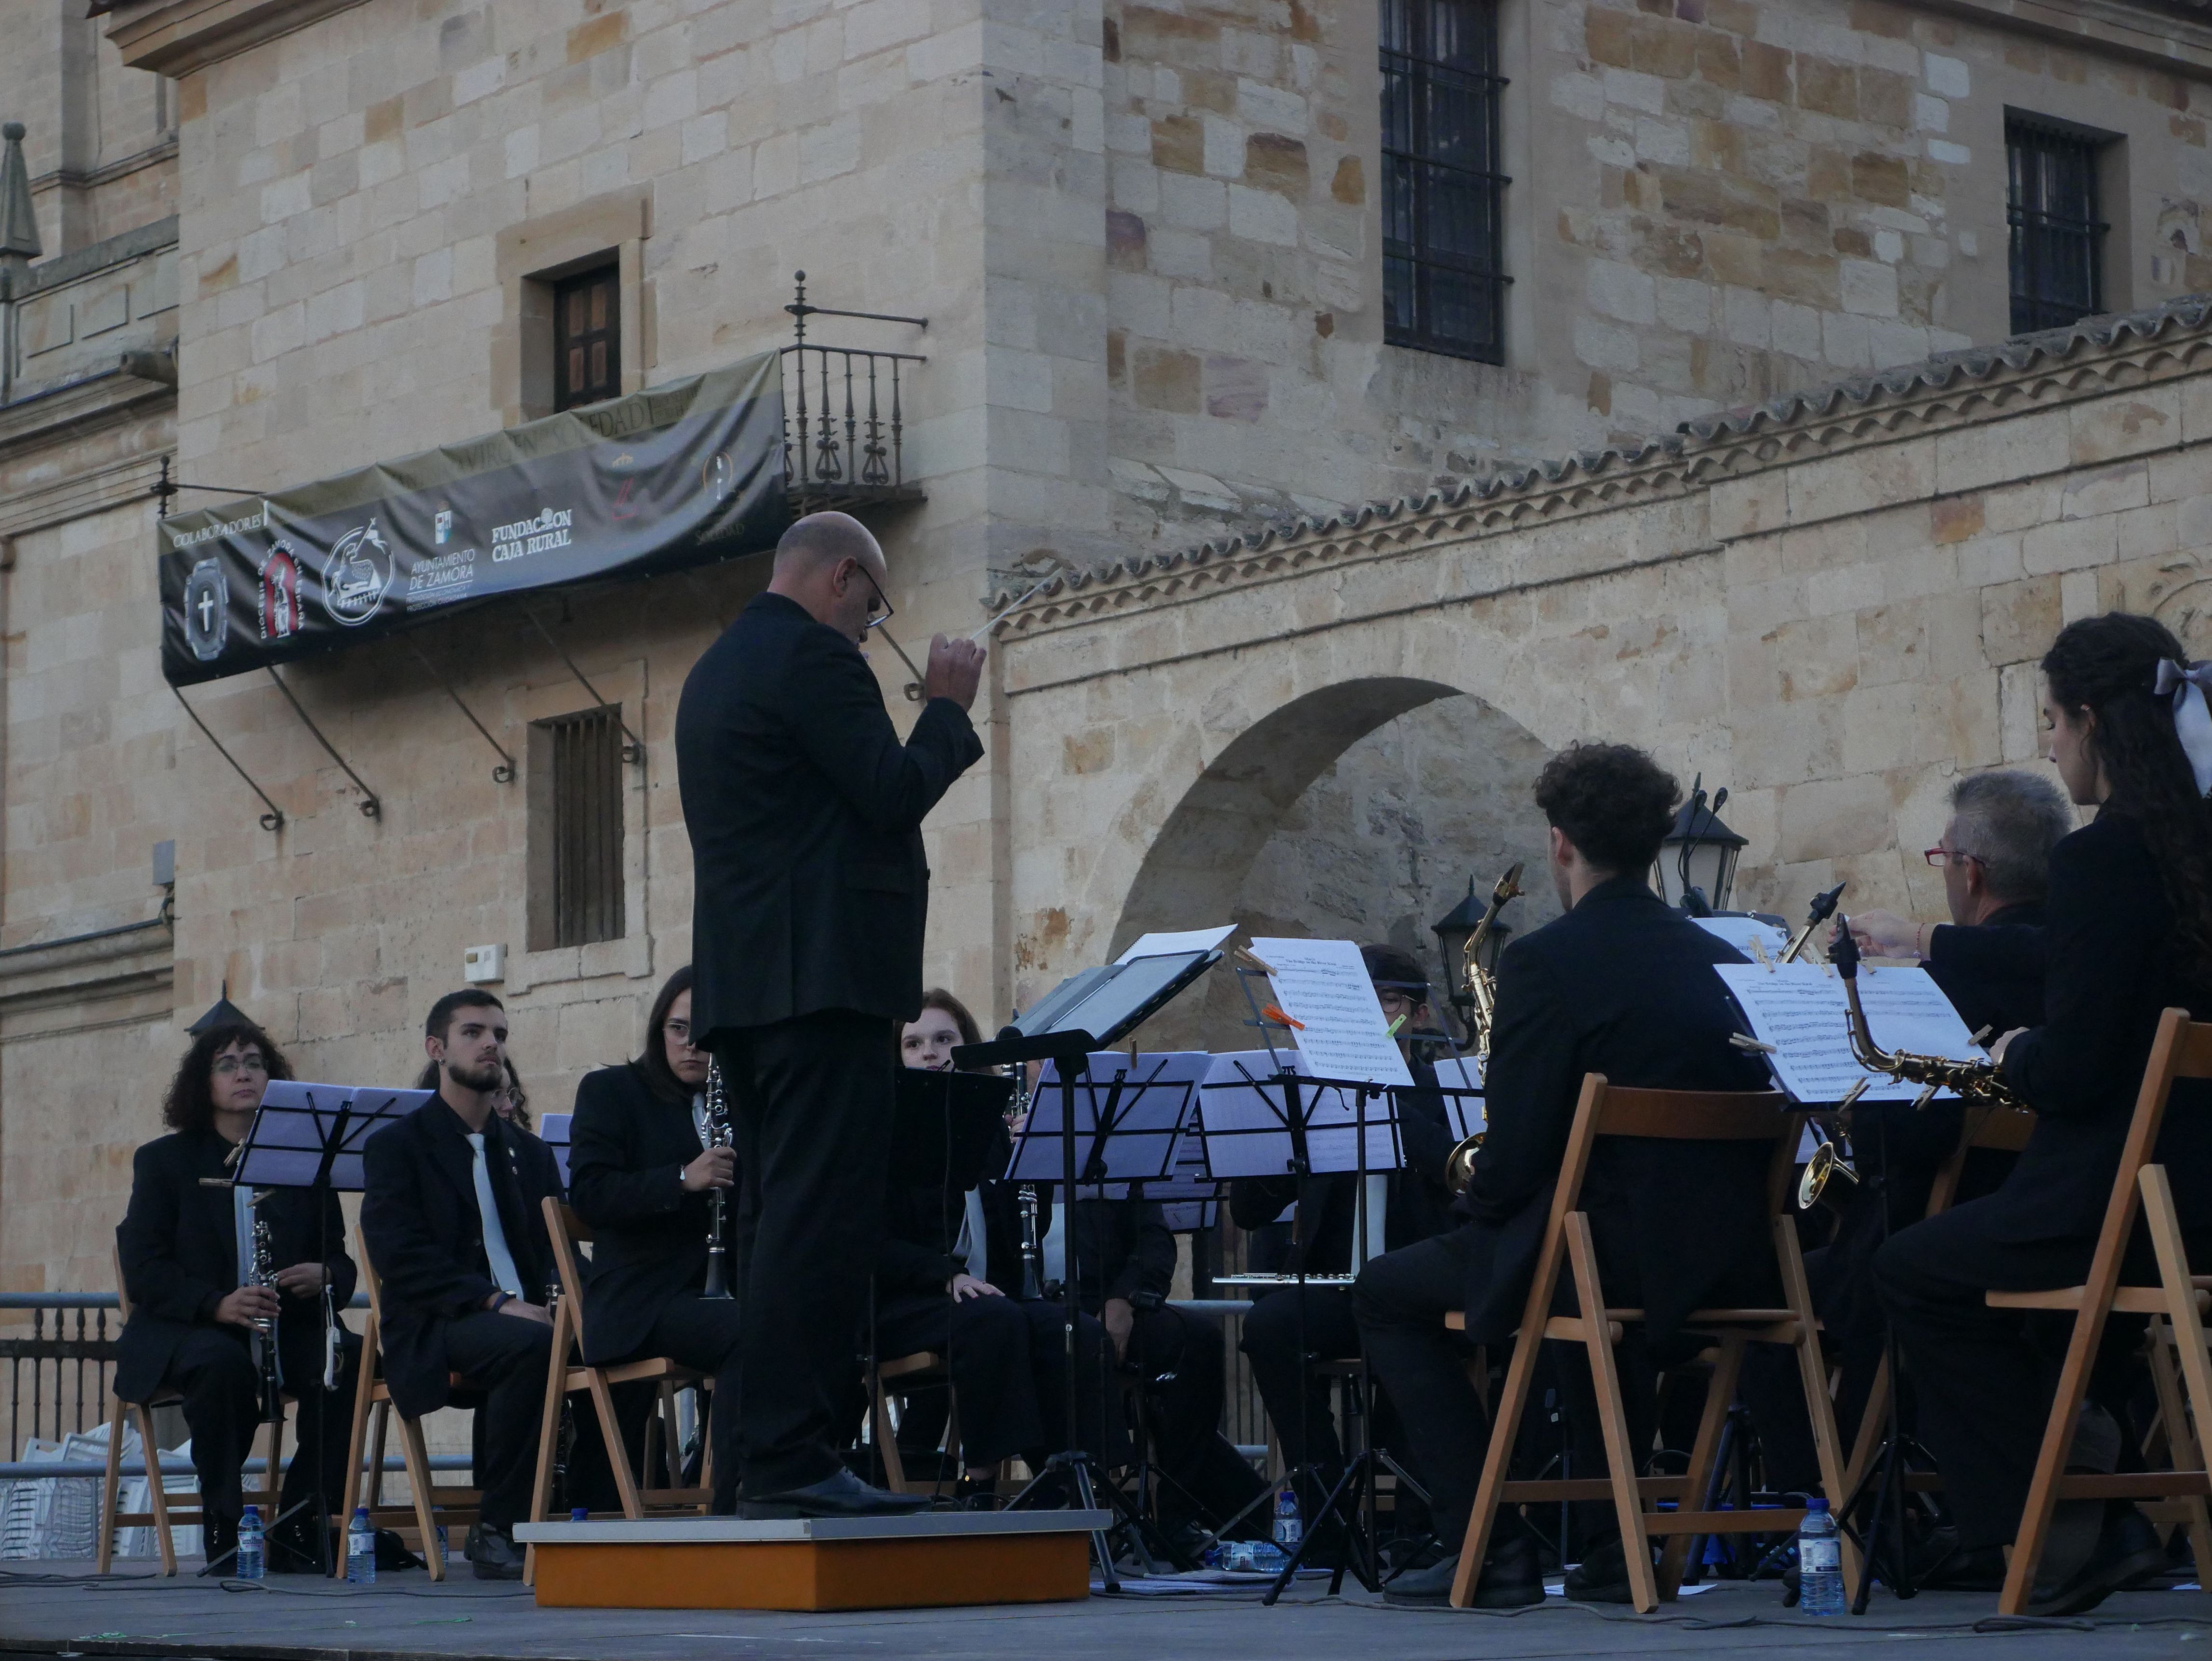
58 1375
844 417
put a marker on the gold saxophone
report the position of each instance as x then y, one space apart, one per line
1480 986
1974 1082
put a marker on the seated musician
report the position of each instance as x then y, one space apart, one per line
2130 922
1417 1209
1621 985
640 1173
185 1250
938 1276
450 1214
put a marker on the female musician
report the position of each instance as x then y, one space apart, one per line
185 1250
2130 934
640 1173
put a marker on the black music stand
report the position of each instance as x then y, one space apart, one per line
311 1136
1085 1012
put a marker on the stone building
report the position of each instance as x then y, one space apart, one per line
1194 283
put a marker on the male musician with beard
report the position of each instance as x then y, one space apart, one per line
451 1215
186 1250
810 898
1621 985
640 1173
1417 1208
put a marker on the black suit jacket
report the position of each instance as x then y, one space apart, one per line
810 888
1993 972
179 1246
1420 1205
626 1151
1621 985
425 1235
2114 966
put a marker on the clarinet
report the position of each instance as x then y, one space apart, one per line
262 1273
719 1134
1032 1254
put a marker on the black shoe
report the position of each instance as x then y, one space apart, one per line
219 1545
2127 1550
841 1494
1602 1575
1510 1580
496 1556
1941 1564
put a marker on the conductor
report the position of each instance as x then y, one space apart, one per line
809 900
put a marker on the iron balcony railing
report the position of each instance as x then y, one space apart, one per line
844 415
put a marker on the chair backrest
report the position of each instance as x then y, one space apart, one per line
1701 1116
2182 1050
122 1292
2004 1130
566 1230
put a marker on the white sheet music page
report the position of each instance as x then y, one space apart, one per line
1799 1008
1740 932
1167 945
1323 986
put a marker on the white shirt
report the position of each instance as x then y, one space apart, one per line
1055 1253
972 1247
494 1238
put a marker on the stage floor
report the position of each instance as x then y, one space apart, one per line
54 1610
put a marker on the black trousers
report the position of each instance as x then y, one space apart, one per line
214 1371
695 1333
811 1109
1009 1363
1983 1379
1297 1405
507 1356
1175 1356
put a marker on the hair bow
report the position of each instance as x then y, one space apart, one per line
2192 719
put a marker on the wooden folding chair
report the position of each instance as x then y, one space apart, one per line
922 1368
2183 1050
457 1506
1689 1116
162 1517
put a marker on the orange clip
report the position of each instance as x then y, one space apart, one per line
1275 1014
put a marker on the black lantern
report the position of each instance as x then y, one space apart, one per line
1696 868
1453 930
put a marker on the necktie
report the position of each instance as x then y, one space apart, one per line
495 1236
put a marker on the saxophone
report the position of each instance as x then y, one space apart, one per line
1480 986
1976 1081
262 1272
719 1134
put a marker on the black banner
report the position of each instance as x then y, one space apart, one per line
675 476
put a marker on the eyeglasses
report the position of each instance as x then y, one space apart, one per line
879 613
229 1067
679 1031
1939 857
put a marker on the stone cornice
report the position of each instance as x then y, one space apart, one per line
2095 357
2172 34
175 37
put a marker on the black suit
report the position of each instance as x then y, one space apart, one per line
1986 1377
626 1152
1419 1208
811 893
1623 986
178 1245
425 1235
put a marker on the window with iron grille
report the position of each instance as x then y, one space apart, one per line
1443 238
577 828
2058 236
587 337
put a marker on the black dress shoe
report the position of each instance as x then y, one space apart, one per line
2127 1550
1602 1575
495 1556
1510 1580
1943 1564
841 1494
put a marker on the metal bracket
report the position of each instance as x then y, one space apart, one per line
503 774
164 490
370 806
632 751
272 820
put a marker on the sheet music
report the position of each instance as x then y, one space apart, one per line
1740 932
1800 1009
1180 940
1323 984
1463 1092
1241 1114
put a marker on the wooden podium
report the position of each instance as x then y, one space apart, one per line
935 1560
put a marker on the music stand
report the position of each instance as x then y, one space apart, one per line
1085 1013
311 1136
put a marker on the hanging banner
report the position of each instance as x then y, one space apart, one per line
666 479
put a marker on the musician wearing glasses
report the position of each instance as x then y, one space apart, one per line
186 1251
641 1174
810 896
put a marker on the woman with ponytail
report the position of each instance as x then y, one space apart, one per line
2129 921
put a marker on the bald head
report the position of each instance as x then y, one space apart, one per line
831 564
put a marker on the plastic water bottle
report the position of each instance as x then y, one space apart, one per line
579 1513
1290 1527
360 1550
1819 1562
251 1564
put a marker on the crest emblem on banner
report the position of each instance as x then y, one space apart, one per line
207 609
280 593
356 575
